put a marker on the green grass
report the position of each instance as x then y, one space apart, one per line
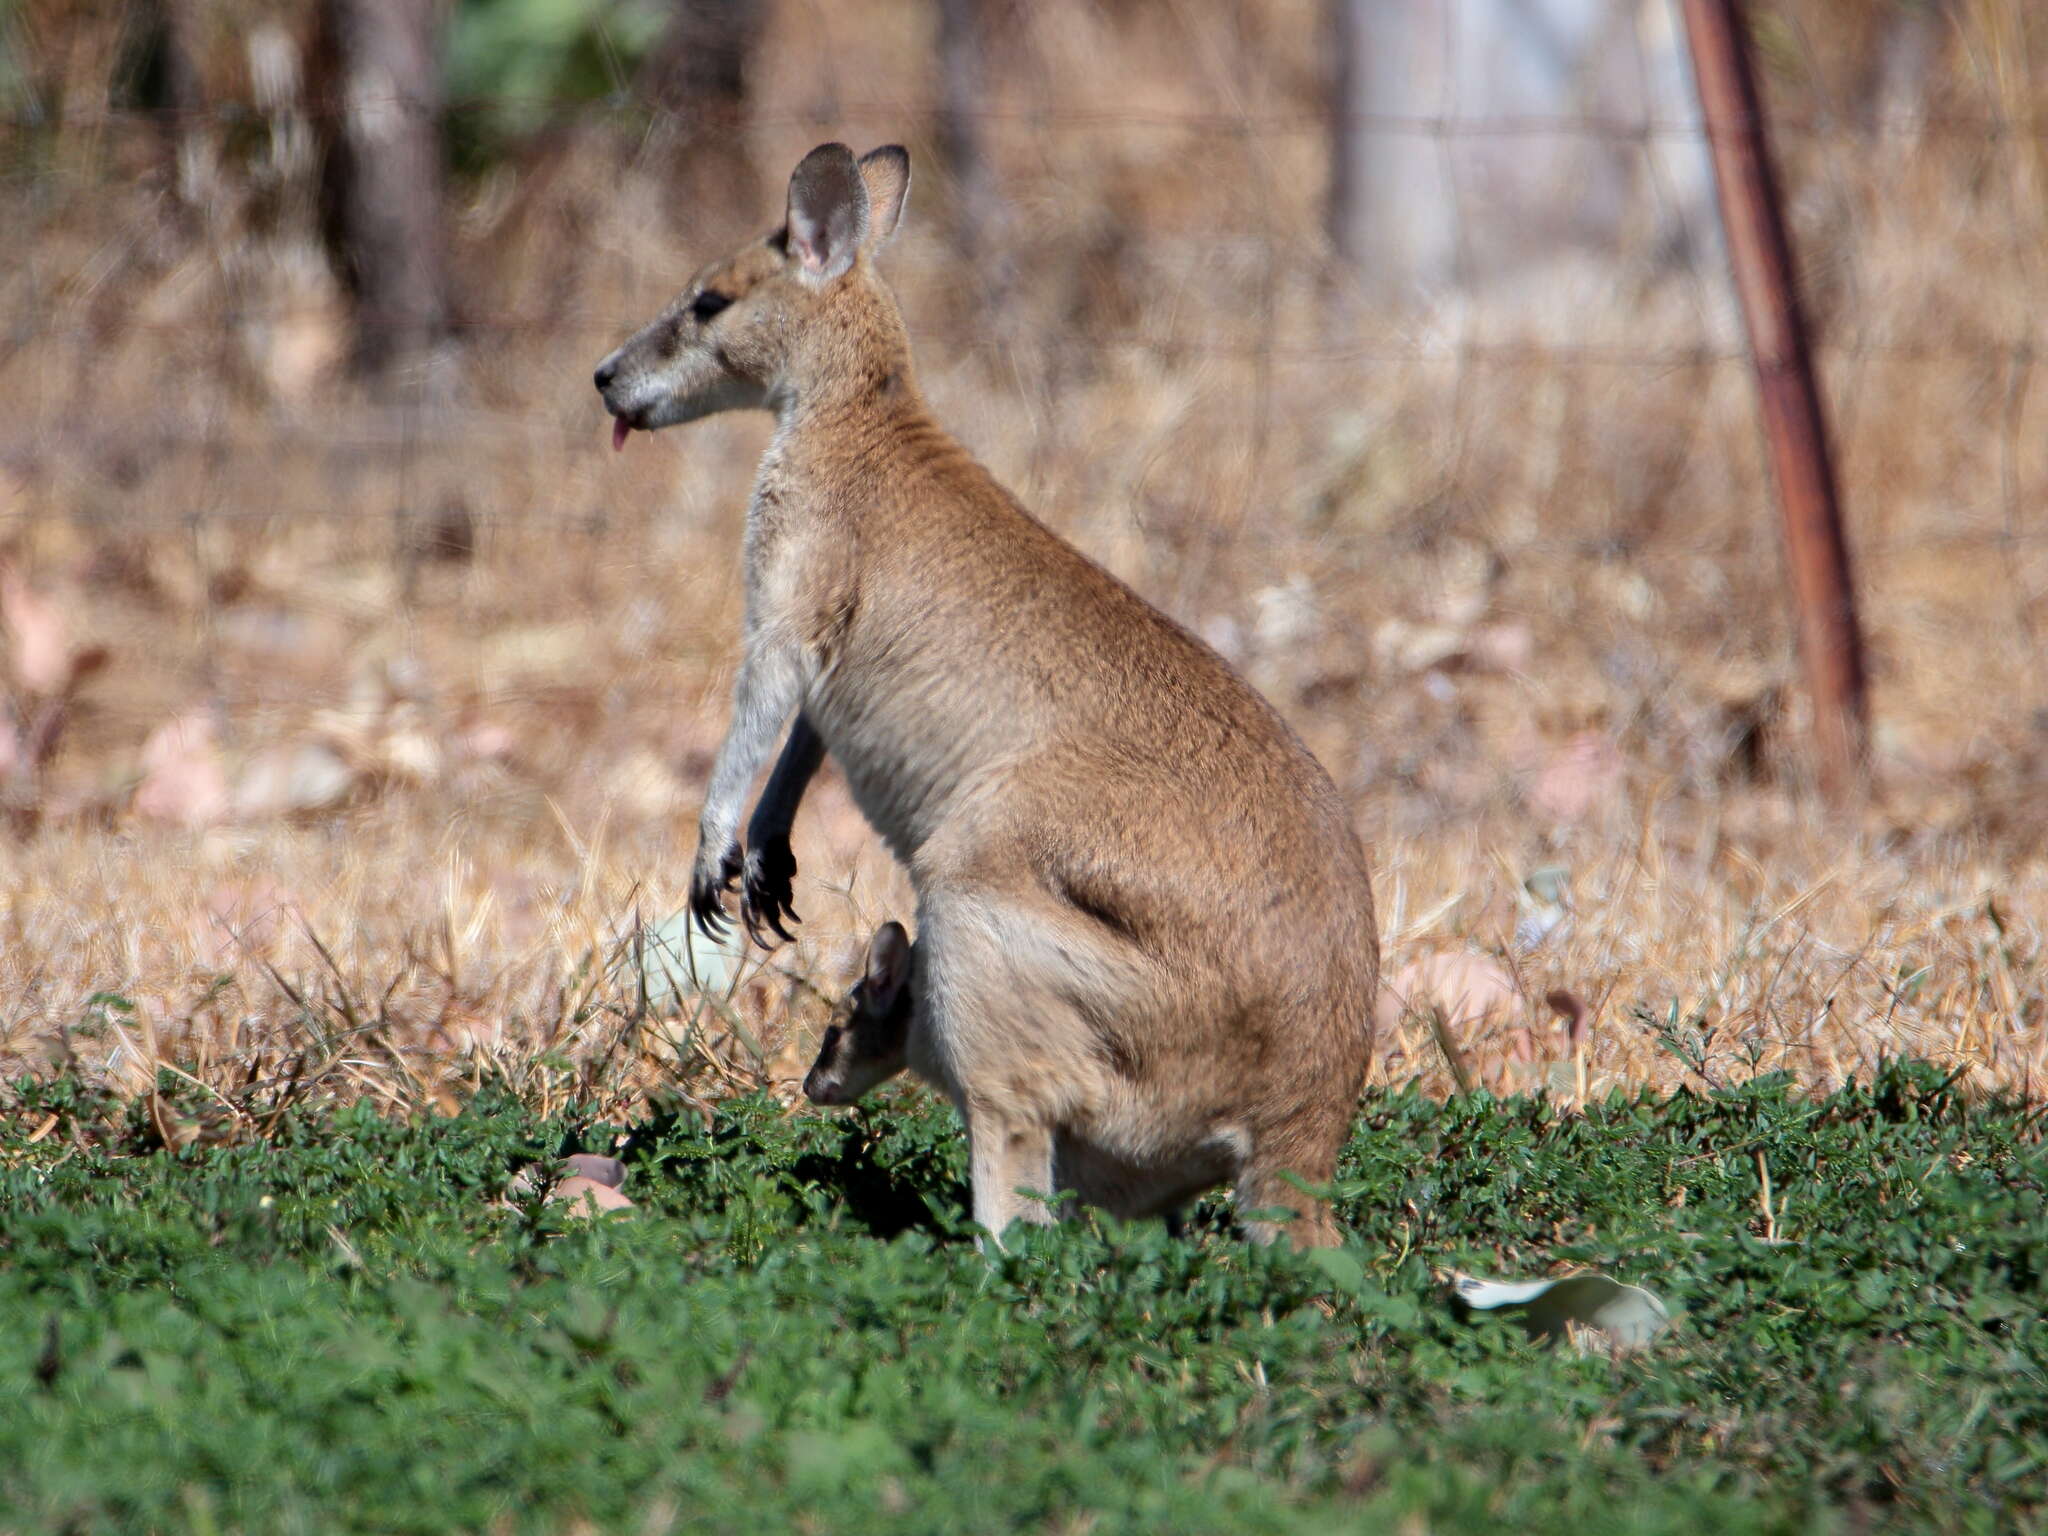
333 1330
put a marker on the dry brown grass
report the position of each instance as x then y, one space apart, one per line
1509 567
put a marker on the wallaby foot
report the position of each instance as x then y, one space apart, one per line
1269 1183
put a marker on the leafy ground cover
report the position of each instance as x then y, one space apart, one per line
338 1328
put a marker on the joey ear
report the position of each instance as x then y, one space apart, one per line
886 171
888 966
828 211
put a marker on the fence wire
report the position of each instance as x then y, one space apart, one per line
64 303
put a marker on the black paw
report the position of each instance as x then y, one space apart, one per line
767 891
708 885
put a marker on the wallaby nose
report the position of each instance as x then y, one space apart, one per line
606 372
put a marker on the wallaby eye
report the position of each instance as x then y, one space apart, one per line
706 305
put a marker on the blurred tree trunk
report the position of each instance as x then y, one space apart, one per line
1903 65
378 82
1392 210
963 99
188 144
1343 25
696 76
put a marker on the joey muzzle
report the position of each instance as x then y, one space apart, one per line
821 1084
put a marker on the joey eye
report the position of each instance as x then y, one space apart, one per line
706 305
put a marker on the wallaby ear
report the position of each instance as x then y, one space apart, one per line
886 171
828 211
888 966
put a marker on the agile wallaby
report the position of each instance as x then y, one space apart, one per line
1144 920
878 1040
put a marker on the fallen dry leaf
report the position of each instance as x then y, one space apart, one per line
293 781
1576 778
407 751
1407 647
1506 647
1593 1311
604 1170
587 1197
38 637
1464 988
644 786
486 741
182 780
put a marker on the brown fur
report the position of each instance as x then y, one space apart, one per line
1144 919
872 1044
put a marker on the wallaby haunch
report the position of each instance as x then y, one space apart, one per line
1144 921
876 1042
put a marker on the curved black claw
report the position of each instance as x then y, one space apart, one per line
707 891
767 892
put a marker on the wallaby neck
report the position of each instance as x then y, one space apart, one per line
819 430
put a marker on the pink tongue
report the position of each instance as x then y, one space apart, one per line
619 431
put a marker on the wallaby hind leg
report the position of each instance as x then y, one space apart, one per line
1268 1181
1000 1030
1010 1163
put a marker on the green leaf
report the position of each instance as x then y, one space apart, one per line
1340 1267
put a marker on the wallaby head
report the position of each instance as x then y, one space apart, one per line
782 319
870 1047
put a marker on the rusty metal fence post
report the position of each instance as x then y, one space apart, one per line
1816 548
